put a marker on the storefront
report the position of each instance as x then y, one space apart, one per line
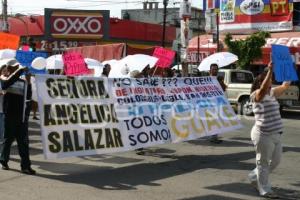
71 29
207 47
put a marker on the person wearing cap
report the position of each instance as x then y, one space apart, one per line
213 71
16 116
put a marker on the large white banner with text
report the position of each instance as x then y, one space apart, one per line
85 115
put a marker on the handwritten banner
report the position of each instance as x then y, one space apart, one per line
9 41
74 64
86 115
25 58
165 57
284 67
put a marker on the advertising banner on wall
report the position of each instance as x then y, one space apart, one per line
84 24
239 16
265 15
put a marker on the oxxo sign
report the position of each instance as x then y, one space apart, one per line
76 24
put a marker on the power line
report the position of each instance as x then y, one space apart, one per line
105 3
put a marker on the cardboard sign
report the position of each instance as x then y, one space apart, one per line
165 57
74 64
284 68
25 58
9 41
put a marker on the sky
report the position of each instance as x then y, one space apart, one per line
115 6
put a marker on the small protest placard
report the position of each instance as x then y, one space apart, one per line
74 64
9 41
165 57
284 68
25 58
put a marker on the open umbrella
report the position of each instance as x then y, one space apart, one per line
7 53
95 65
55 62
4 61
138 61
119 71
92 63
110 62
222 59
39 63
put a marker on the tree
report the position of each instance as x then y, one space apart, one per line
247 49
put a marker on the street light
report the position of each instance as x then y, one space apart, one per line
218 33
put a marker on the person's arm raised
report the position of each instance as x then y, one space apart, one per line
266 84
12 78
280 89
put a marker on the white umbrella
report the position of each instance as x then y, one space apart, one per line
39 63
92 63
7 53
95 65
55 62
4 61
222 59
138 61
110 62
118 70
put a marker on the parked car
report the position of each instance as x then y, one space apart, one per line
239 84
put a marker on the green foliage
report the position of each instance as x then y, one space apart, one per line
247 49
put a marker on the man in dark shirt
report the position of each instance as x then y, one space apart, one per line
214 69
16 106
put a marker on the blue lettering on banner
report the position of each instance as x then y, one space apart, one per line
178 107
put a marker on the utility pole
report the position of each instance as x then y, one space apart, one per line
198 41
4 15
164 22
218 32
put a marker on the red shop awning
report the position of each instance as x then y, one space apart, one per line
207 47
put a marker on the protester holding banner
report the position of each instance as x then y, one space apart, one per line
267 130
146 71
213 71
16 116
106 70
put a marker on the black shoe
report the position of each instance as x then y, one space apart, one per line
216 141
28 171
4 165
35 118
140 151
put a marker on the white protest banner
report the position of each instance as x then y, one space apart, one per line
86 115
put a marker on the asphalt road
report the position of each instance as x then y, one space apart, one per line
195 170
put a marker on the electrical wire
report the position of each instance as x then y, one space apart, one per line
105 3
100 3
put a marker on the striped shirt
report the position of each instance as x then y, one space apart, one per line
267 114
